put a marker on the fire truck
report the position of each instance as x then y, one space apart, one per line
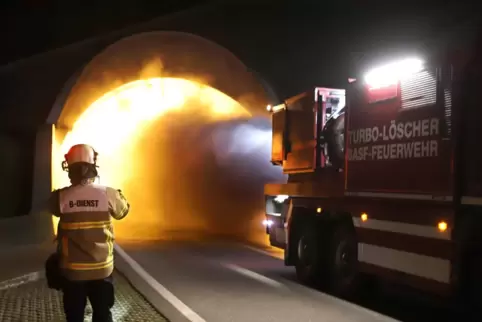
384 178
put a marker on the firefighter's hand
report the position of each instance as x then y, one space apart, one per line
118 205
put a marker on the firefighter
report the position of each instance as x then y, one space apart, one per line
86 236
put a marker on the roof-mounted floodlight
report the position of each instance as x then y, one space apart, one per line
392 73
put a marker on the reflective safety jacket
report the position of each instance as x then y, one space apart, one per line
85 231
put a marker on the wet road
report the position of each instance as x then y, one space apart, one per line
231 282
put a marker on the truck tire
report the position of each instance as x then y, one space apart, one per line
341 262
467 267
308 262
474 286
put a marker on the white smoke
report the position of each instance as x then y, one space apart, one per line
247 142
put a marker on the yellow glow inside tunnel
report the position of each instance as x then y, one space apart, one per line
146 133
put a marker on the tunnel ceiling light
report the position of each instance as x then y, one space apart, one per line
391 74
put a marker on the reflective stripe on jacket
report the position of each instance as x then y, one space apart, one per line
85 231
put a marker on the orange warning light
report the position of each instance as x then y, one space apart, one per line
364 217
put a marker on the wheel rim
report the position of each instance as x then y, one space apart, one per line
345 260
304 251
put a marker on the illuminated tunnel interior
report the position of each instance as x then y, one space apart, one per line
191 160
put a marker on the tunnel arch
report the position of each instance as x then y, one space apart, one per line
161 54
173 55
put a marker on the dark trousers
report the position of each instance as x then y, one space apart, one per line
100 294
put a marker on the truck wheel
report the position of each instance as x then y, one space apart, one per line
342 262
467 290
308 257
474 285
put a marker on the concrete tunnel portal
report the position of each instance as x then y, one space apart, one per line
181 127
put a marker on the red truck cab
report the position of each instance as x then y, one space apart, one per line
383 178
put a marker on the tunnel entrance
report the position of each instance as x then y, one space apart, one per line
185 138
154 139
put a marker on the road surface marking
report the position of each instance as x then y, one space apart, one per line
333 299
253 275
159 288
338 302
262 251
20 280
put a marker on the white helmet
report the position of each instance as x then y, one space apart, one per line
80 153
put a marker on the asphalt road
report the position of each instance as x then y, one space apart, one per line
228 282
